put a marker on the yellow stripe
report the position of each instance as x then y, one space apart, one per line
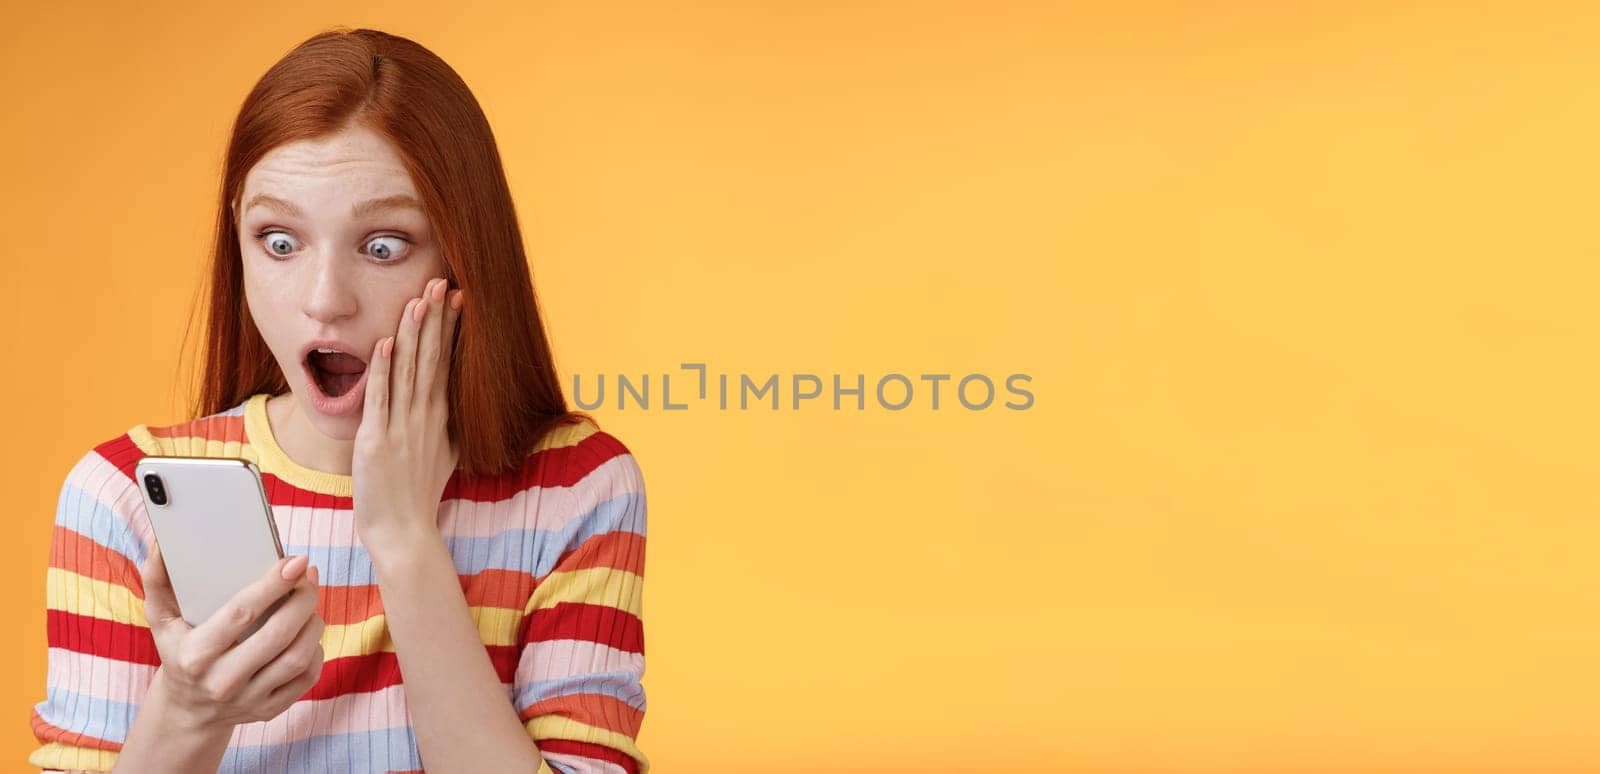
56 755
544 727
607 586
566 435
496 626
141 437
73 593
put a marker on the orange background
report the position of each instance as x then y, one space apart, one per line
1306 295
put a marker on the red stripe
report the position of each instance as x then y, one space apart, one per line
74 552
590 750
100 637
121 452
222 428
562 466
595 709
376 671
606 625
495 587
283 493
507 589
619 549
350 674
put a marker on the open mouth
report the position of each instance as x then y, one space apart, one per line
335 372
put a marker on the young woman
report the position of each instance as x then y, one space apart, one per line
465 555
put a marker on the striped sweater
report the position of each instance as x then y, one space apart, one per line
550 557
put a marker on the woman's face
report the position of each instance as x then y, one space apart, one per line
335 242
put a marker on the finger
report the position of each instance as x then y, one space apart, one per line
428 344
300 655
157 587
291 691
240 662
247 657
167 626
405 360
447 338
218 633
375 405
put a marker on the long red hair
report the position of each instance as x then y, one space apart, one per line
504 391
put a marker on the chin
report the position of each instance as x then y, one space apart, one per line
337 428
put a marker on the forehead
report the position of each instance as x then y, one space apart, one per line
355 161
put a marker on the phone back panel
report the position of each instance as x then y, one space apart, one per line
216 529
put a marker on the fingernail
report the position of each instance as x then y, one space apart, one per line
422 310
455 300
388 347
292 568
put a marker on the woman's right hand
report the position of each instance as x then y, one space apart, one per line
214 681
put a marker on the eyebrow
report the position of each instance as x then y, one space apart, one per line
396 202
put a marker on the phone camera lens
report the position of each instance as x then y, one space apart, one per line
158 492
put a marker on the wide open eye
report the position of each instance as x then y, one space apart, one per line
388 247
278 243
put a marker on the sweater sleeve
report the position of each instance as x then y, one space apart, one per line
577 687
101 654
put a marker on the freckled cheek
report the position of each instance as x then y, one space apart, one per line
388 296
270 308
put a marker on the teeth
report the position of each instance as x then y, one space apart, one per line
328 351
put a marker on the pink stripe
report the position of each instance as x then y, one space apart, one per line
351 713
346 714
616 476
105 482
102 678
306 526
302 525
551 659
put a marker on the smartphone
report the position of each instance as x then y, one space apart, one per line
215 528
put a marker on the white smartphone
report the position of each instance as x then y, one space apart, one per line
215 528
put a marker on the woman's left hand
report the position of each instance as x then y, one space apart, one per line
403 452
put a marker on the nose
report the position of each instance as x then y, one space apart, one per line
327 290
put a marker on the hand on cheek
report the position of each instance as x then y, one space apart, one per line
403 453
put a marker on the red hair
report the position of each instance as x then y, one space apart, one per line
504 391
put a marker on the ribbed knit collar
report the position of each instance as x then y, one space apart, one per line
272 458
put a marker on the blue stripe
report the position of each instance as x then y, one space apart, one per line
380 750
619 684
509 550
623 513
85 714
86 515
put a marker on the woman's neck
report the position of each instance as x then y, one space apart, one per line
303 442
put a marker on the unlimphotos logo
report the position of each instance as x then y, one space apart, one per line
893 392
